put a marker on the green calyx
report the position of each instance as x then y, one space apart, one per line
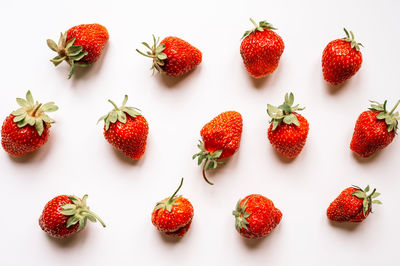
169 202
262 25
241 215
368 200
156 53
79 212
284 112
119 113
391 118
210 159
67 51
350 38
33 113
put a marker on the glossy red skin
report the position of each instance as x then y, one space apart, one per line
177 222
370 134
20 141
92 38
129 138
181 56
347 208
53 222
340 62
223 133
289 140
264 216
261 51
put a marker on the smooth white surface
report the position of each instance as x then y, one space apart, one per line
78 160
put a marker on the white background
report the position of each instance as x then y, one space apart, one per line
78 160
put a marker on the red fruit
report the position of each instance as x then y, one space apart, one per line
81 45
221 139
64 216
375 129
126 129
261 49
27 128
173 56
288 130
341 59
352 205
173 215
256 216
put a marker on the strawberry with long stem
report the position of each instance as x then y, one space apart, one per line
64 216
221 139
173 215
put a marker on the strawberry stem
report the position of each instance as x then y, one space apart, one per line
151 56
116 107
170 200
204 173
394 108
254 23
33 113
95 215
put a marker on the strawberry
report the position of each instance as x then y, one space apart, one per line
352 205
288 130
126 129
65 215
27 128
261 49
173 216
81 45
256 216
341 59
221 139
173 56
375 129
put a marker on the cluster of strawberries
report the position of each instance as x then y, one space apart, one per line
27 129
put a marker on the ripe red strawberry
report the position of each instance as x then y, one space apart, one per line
173 216
288 130
126 129
80 45
27 128
173 56
65 215
256 216
352 205
341 59
375 129
261 49
221 139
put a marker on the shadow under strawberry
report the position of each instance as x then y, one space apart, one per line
173 82
169 239
367 160
334 89
33 157
124 159
38 155
282 159
72 241
345 226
